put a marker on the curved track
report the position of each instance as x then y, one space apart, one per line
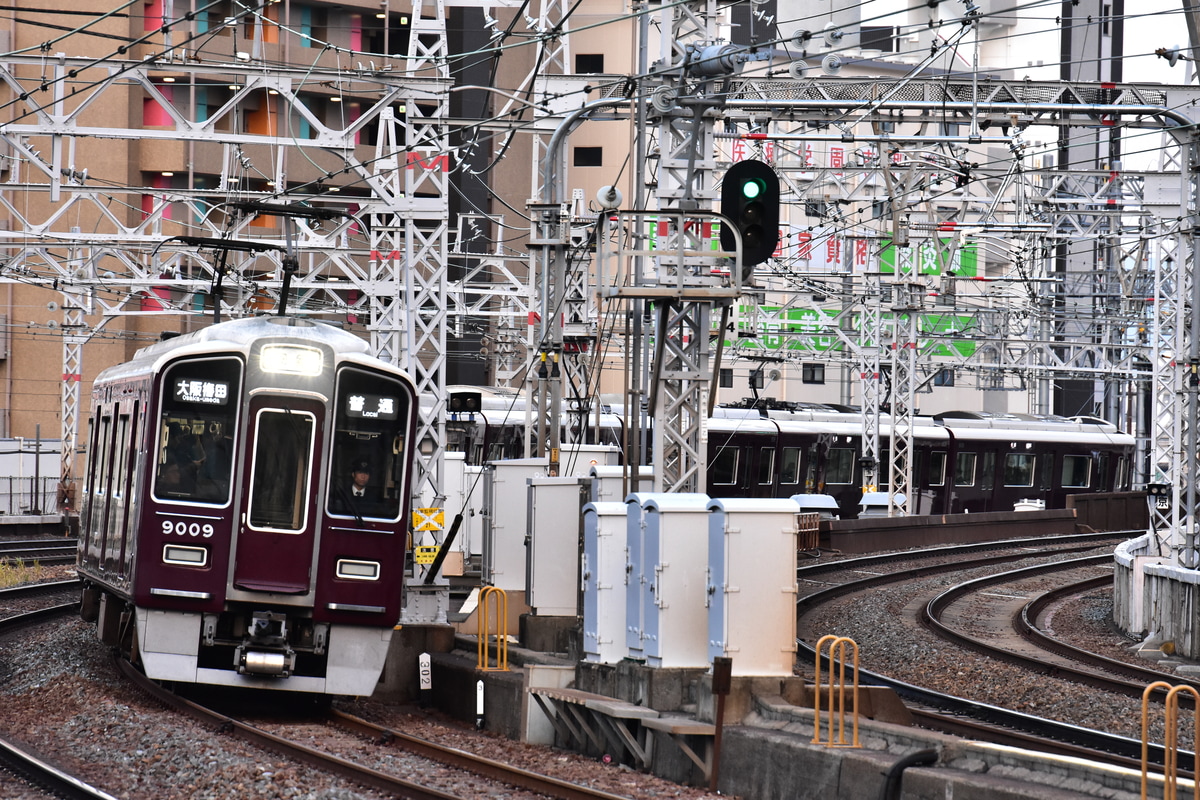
13 757
953 714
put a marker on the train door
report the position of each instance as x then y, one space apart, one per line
277 527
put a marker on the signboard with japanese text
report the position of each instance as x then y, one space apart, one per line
810 330
214 393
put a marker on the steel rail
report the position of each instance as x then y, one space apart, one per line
934 610
365 776
19 760
27 590
461 759
960 716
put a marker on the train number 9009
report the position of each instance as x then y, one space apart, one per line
182 528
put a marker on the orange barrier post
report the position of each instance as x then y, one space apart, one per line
1170 738
837 689
501 605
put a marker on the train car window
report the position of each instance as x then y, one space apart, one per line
283 446
987 478
122 455
197 428
368 465
92 470
766 465
964 469
105 463
839 465
937 468
789 470
724 468
1019 469
1076 472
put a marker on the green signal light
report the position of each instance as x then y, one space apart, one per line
752 190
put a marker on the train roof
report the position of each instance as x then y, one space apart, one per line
239 335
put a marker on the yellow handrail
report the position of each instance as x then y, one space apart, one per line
1170 738
837 661
500 597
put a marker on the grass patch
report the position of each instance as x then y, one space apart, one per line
14 573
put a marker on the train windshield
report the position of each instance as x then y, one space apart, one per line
196 430
368 464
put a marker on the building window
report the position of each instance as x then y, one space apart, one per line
589 63
756 379
589 156
874 37
726 378
812 373
943 377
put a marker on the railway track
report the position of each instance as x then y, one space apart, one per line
16 759
43 551
286 738
965 717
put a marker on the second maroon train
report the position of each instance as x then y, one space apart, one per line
961 461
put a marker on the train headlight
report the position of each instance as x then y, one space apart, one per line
291 359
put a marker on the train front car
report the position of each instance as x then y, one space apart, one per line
261 535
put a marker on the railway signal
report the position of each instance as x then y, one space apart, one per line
750 200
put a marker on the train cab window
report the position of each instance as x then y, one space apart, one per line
283 446
723 469
368 464
1019 469
197 426
766 465
839 465
789 468
1076 472
937 468
964 469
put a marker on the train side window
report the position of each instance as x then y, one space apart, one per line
122 455
105 464
766 465
937 468
723 469
988 479
839 466
1076 472
1019 469
283 446
789 470
964 469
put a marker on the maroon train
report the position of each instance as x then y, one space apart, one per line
221 540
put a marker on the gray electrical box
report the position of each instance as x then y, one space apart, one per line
554 543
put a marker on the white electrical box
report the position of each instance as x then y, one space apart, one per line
608 482
602 573
555 540
674 558
751 591
505 521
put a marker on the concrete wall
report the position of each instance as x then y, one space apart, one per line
873 534
1154 597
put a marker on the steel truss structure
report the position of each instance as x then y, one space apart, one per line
395 275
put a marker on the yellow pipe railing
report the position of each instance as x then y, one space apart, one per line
1170 738
490 597
837 691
